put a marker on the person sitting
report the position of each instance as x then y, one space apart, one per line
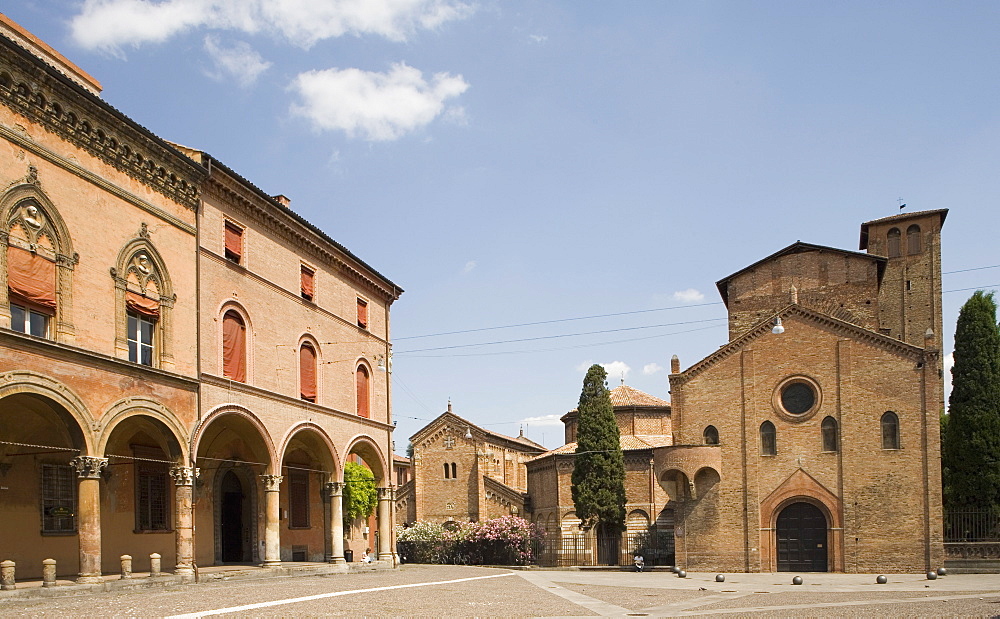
365 557
639 562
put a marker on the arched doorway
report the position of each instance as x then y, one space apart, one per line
233 526
802 538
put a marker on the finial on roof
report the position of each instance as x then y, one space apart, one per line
449 405
623 378
522 432
675 365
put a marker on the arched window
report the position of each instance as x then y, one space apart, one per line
913 240
890 430
33 244
307 372
447 471
361 380
829 430
142 288
234 347
711 436
454 471
893 238
768 439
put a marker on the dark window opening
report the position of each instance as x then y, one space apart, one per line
768 439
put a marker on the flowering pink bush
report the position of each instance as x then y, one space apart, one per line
509 540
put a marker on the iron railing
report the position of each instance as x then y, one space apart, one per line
971 526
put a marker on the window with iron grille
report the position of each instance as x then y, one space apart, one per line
152 491
58 499
298 499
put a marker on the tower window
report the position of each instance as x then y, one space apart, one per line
829 430
894 238
913 240
711 436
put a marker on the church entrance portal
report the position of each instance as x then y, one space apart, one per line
802 539
232 520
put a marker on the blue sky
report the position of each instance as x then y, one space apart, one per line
522 162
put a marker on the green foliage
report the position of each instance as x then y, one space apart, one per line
360 495
508 540
409 450
599 467
970 443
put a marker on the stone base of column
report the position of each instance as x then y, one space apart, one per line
275 563
89 579
336 560
183 570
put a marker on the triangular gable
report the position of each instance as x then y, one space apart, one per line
449 421
763 327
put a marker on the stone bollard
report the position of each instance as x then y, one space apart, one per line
49 573
154 564
7 575
126 566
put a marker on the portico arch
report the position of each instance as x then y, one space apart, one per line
310 469
240 478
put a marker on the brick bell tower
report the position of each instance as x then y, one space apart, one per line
909 298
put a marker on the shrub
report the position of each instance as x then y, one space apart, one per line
508 540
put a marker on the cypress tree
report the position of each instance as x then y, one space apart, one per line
599 467
971 443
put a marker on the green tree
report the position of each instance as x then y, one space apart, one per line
360 496
970 455
599 467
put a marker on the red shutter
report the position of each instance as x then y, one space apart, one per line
234 364
142 305
307 284
362 384
31 277
307 373
234 242
362 313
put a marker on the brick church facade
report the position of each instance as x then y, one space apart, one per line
186 364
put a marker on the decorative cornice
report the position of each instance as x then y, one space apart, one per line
269 217
52 157
52 100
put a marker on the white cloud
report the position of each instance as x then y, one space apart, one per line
538 38
688 296
469 266
617 371
111 24
544 420
374 106
238 61
651 368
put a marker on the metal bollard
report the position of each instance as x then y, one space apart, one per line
154 564
126 566
49 573
7 575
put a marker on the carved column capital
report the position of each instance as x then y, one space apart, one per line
384 494
88 467
184 475
271 482
334 488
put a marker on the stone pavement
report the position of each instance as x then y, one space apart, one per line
461 591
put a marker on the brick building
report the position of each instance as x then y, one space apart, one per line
811 440
179 351
462 472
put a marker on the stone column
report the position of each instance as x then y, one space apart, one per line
384 525
88 470
184 477
335 492
272 521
